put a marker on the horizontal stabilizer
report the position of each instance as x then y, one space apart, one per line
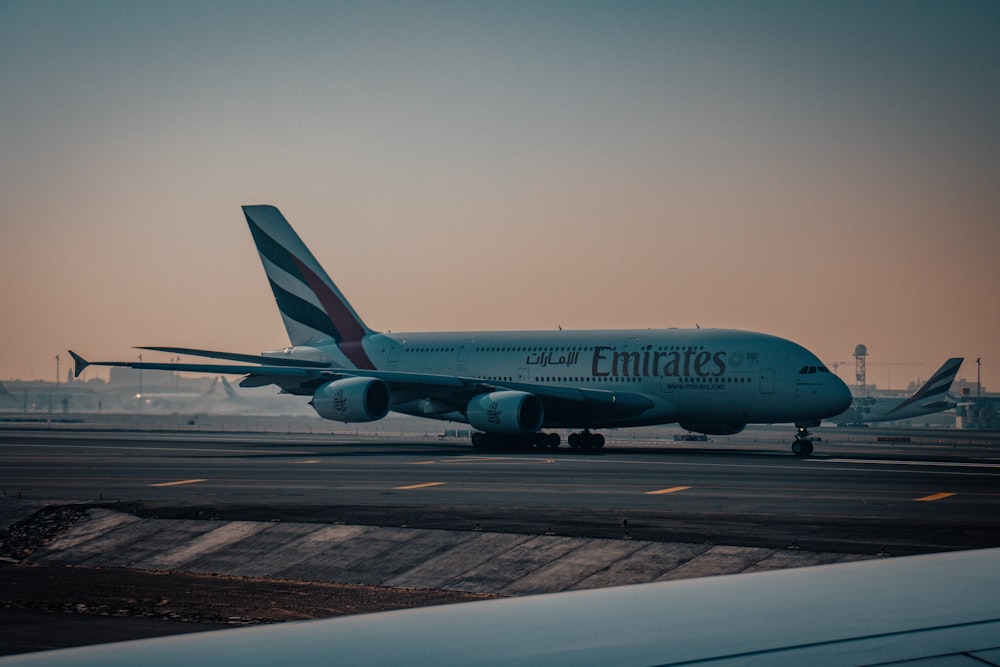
937 406
236 356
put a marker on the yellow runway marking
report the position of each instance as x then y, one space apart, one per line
310 461
934 496
672 489
183 481
419 486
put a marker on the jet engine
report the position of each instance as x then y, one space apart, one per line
713 428
354 399
506 412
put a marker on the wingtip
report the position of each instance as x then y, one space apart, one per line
79 363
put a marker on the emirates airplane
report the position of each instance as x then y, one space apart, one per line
510 385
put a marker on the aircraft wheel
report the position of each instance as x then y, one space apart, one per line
802 448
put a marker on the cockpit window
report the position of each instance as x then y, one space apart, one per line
809 370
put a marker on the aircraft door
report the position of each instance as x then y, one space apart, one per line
766 380
393 356
463 354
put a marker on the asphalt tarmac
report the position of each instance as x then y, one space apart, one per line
856 494
864 492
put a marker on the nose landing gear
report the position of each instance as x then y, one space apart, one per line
803 444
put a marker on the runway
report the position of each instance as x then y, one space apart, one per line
852 496
421 512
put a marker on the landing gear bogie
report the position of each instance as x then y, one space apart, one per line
586 441
528 441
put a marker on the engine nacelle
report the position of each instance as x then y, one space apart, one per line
354 399
506 412
713 428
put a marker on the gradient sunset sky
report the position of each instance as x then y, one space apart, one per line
826 172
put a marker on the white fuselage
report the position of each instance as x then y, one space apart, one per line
689 375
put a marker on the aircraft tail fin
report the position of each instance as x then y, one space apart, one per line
934 389
314 310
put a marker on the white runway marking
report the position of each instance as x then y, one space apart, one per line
936 464
193 448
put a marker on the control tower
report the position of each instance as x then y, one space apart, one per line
860 372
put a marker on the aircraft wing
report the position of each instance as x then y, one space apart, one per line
231 369
916 610
284 373
302 378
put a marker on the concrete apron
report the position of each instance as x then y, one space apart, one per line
480 562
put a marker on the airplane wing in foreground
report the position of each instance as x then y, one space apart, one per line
916 610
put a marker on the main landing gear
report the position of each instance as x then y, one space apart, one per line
586 440
803 445
581 441
497 441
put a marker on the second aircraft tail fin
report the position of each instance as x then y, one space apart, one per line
934 390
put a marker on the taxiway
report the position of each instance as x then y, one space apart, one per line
852 497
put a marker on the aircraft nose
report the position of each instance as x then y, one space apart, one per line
840 396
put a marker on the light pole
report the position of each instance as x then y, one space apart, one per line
979 386
139 396
57 383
